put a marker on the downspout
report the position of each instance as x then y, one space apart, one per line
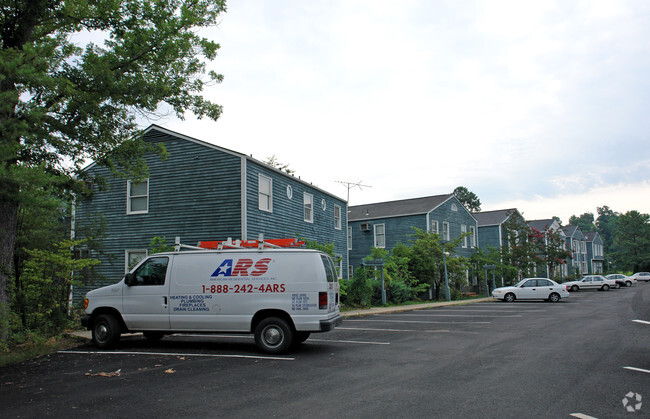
244 202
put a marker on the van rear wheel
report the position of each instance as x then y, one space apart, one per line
273 335
106 331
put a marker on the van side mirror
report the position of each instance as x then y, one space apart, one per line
129 280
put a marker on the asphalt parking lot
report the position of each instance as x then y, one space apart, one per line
582 357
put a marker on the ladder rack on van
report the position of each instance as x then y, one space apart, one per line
259 244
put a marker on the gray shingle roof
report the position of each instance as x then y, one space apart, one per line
492 218
541 225
411 206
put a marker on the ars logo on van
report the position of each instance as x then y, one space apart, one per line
243 267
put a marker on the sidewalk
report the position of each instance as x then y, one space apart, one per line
399 309
366 311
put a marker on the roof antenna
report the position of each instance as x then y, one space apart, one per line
351 185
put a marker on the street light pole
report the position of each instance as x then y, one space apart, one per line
444 261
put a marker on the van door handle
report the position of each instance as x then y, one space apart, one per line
165 301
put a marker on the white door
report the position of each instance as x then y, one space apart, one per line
145 302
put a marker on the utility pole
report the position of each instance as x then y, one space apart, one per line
351 185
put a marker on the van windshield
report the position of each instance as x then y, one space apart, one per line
330 270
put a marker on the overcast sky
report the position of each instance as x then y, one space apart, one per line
539 105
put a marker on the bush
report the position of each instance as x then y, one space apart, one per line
398 292
359 292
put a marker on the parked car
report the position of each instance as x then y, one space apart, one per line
641 276
622 280
532 289
591 282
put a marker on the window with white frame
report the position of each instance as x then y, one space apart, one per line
339 265
133 257
337 217
137 197
434 227
445 231
265 193
349 238
380 235
472 237
463 230
308 205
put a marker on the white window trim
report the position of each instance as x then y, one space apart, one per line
349 238
337 220
260 178
445 234
308 197
472 240
127 253
463 229
384 236
129 197
437 229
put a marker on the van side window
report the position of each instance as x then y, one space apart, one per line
152 272
330 270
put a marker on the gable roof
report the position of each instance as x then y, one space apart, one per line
493 218
591 235
413 206
156 130
542 225
571 231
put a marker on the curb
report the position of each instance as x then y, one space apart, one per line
399 309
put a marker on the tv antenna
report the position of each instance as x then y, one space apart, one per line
351 185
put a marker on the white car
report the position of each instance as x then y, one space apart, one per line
641 276
591 282
532 289
622 280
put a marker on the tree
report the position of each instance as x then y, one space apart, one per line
634 240
585 222
468 199
606 224
62 104
275 163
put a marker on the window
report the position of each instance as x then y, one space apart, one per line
445 231
434 227
339 266
349 238
132 258
463 230
454 208
137 197
289 192
308 205
337 217
380 235
265 193
472 237
152 272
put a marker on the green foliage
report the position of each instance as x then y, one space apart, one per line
359 293
468 199
585 222
47 279
159 245
633 241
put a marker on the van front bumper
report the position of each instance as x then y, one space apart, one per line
329 324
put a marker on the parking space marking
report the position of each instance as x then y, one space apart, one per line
410 321
641 321
360 342
582 416
637 369
462 315
369 329
270 358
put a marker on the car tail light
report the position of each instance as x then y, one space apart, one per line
322 300
85 303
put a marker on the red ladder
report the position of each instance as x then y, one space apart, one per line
259 244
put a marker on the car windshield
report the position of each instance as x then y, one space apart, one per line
518 284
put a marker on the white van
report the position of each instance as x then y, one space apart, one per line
280 295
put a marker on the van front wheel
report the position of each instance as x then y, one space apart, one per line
273 335
106 331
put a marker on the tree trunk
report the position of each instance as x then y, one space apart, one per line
8 226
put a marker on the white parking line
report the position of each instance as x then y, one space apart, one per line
409 321
390 330
271 358
348 341
582 416
462 315
641 321
637 369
